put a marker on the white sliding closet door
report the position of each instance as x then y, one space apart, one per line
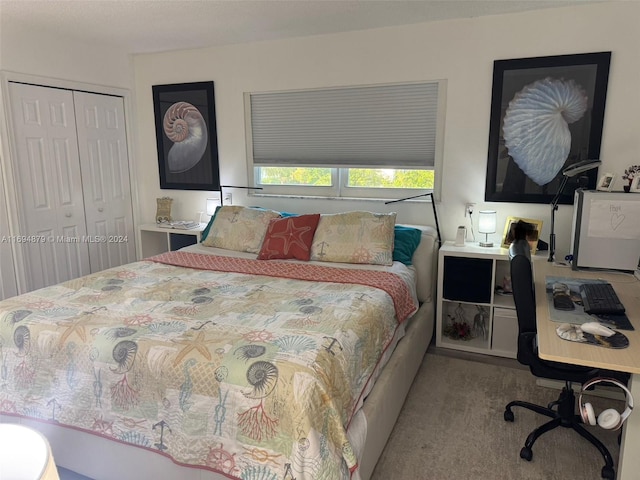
102 143
49 184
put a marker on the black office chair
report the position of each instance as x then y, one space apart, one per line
563 410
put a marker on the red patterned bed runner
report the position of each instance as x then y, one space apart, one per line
387 281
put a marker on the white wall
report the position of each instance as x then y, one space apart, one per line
461 51
51 54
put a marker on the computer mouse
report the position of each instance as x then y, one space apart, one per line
596 328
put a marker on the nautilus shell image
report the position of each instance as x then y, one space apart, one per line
536 126
262 376
185 127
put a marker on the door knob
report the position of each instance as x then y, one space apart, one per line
68 215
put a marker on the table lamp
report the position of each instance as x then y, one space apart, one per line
567 173
212 204
486 224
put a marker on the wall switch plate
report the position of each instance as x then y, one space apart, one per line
227 199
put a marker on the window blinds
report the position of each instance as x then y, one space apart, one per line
390 126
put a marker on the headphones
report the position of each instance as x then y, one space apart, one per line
609 419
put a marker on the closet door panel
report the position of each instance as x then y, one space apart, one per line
102 143
8 283
49 183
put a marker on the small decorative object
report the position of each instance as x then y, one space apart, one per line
629 174
458 328
533 232
635 185
605 184
487 224
163 211
479 323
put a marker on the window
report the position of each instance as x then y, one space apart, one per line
380 141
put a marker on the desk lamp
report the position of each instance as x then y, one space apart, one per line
433 204
567 173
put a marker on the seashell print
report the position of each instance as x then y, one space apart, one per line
184 125
124 353
19 315
262 376
536 126
22 339
120 332
247 352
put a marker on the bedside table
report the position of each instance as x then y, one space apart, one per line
468 278
155 240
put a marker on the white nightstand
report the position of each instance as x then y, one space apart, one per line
469 291
155 240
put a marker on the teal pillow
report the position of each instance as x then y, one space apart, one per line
288 214
205 232
405 242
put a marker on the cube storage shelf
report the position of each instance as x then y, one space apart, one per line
155 240
473 315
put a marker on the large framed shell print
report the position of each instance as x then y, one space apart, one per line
186 136
547 113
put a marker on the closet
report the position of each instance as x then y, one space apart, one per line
71 171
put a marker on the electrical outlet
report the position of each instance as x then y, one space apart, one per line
227 199
468 208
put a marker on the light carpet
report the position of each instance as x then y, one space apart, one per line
452 427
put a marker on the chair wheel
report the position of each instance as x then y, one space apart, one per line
608 473
508 416
527 454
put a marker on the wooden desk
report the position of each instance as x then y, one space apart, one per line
552 347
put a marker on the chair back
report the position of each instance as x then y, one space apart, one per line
524 299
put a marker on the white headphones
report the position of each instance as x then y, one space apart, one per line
609 419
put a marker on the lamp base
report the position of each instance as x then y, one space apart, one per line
486 244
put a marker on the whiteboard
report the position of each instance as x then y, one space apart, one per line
606 230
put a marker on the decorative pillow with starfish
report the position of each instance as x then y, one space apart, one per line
289 237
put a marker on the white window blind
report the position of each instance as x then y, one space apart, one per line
381 126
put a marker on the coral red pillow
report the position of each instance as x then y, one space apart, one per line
289 237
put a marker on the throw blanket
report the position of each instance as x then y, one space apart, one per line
253 376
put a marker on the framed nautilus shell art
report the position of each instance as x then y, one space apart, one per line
186 136
547 113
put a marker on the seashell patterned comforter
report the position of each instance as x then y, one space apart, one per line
249 368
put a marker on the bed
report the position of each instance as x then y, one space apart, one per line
213 363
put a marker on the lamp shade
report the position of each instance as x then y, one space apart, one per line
212 203
487 221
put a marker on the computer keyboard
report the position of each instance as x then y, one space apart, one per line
600 298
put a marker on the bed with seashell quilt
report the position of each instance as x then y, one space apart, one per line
234 358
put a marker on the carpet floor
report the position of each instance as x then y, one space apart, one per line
452 427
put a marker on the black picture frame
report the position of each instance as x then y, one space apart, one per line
187 160
506 181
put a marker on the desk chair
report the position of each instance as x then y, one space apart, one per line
562 411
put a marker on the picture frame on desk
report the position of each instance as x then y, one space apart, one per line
533 232
605 184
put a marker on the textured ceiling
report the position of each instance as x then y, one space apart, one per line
143 26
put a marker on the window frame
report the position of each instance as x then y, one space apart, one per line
339 189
